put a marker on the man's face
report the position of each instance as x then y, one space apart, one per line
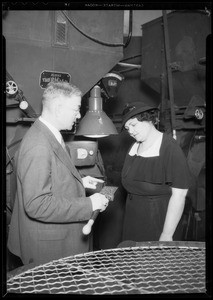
68 112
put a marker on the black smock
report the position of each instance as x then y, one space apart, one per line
148 182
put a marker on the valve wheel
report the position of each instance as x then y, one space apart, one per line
11 87
199 114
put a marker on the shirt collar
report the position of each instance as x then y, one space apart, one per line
54 130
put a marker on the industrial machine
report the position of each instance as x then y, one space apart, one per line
178 73
44 46
76 46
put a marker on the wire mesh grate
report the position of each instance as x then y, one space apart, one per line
130 270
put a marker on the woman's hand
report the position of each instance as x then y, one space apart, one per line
165 237
174 213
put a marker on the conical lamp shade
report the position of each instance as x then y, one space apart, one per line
96 123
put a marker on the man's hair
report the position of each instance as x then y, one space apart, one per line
56 89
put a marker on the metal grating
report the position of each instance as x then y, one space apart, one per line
60 29
131 270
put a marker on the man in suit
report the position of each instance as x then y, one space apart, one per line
51 206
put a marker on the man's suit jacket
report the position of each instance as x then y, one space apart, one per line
51 207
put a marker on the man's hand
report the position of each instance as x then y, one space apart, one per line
91 182
99 201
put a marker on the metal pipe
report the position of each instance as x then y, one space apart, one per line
129 65
130 29
170 84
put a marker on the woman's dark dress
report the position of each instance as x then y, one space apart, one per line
148 181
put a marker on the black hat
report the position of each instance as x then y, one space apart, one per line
134 108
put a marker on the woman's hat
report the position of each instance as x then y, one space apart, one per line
134 108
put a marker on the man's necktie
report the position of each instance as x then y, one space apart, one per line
66 148
63 143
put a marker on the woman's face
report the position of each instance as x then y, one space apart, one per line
139 130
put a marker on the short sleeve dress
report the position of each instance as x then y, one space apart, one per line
148 182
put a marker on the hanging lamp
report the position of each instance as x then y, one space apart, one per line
96 123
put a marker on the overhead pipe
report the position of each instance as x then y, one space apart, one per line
169 73
129 65
130 29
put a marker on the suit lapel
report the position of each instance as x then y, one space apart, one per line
58 149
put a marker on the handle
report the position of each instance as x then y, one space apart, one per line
88 227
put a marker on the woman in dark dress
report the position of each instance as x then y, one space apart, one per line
155 175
